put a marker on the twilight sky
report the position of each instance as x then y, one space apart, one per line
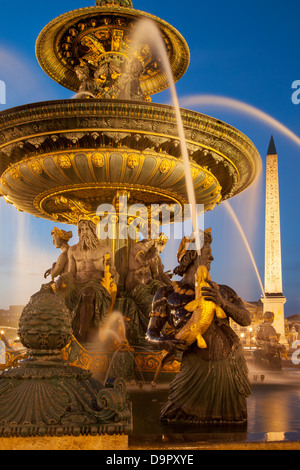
246 52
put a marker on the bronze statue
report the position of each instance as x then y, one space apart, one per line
141 255
94 49
83 285
269 351
60 240
128 86
156 265
145 276
87 85
145 264
213 383
106 77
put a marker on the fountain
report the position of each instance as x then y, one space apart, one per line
63 160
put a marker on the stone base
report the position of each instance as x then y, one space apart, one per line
103 442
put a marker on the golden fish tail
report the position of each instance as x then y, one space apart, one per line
201 342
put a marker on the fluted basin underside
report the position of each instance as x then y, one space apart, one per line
61 158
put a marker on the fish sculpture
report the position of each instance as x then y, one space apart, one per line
201 318
203 312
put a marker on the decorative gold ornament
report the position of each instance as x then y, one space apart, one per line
36 167
15 173
90 217
97 35
208 181
194 172
64 162
98 159
182 290
133 160
165 166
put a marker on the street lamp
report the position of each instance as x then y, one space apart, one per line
250 331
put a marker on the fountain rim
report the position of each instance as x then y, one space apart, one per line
25 113
57 25
242 153
21 108
98 101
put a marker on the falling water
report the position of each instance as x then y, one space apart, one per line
29 260
214 100
114 327
242 233
83 94
147 29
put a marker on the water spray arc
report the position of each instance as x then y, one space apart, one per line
237 223
240 106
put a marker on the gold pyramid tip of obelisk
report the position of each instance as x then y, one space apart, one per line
272 148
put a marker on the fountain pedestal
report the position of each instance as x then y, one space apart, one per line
46 398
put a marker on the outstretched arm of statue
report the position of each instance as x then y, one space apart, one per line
232 305
56 269
167 342
158 319
143 257
59 267
48 272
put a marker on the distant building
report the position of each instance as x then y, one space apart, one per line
247 333
256 309
293 325
11 316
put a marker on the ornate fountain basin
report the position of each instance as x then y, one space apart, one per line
112 29
59 159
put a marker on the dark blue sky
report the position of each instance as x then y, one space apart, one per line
247 51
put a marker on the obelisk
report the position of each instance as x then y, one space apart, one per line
274 299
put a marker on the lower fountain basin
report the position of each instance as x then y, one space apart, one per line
273 419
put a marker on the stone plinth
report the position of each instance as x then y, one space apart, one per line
104 442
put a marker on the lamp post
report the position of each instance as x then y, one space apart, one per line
250 331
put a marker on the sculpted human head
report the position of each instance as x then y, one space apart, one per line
188 257
60 237
88 239
268 317
161 242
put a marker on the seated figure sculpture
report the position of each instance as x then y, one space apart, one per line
83 286
60 240
269 351
156 266
87 85
145 264
144 277
213 383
